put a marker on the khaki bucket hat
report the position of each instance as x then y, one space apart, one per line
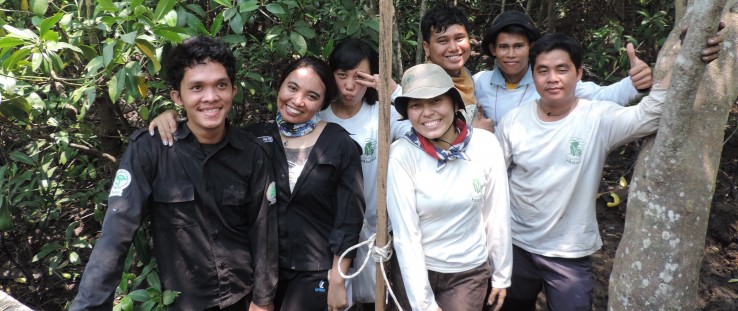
426 81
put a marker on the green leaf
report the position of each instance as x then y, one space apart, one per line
298 43
169 297
168 34
46 250
74 258
217 24
237 23
70 230
36 60
150 52
17 108
224 3
6 219
248 6
234 39
162 8
9 42
733 281
116 84
39 7
139 295
55 46
106 5
153 280
23 34
47 23
126 304
108 53
136 3
275 9
19 156
129 37
304 29
197 9
194 23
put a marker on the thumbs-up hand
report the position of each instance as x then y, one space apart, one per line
640 72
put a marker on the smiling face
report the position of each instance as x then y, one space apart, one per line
300 96
351 93
556 77
432 118
449 49
206 94
511 52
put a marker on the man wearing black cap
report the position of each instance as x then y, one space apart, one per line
510 83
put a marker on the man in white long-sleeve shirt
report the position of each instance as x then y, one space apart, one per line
559 144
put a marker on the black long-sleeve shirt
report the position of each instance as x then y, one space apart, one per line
213 219
323 215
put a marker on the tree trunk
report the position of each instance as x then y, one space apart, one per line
680 7
550 17
419 52
658 260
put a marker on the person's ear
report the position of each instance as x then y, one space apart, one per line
491 48
580 72
176 97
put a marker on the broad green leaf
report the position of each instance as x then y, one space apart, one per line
39 7
17 108
80 244
143 88
56 46
197 9
126 304
136 3
352 28
50 36
6 219
254 76
70 230
74 258
237 24
170 19
153 280
275 9
9 42
298 43
2 178
147 305
108 52
23 34
47 23
248 6
304 29
106 5
150 52
116 84
217 24
162 8
234 39
225 3
228 13
46 250
273 33
129 37
194 23
169 296
139 295
36 60
19 156
170 35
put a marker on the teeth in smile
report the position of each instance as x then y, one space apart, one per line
211 110
430 124
292 110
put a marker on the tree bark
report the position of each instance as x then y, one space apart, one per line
658 260
419 52
550 17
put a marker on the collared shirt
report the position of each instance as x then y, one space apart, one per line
323 215
212 217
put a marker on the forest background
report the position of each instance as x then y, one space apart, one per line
78 76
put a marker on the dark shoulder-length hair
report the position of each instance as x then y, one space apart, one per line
320 68
348 54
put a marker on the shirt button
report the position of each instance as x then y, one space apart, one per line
281 176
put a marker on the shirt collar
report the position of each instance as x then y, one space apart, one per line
231 136
499 79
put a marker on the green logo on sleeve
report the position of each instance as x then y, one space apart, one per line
121 182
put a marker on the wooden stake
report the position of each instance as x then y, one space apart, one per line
386 12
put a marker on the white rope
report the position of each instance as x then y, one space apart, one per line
380 254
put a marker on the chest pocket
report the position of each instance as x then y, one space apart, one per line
325 174
174 204
236 205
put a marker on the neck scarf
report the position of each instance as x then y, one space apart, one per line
296 130
456 150
465 85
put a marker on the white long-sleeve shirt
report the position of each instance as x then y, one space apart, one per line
497 100
452 220
558 166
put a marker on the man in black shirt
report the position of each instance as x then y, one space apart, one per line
210 199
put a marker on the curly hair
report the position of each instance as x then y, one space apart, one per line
198 51
441 17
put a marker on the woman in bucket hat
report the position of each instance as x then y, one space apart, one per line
447 198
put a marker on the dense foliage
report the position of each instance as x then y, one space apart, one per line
78 76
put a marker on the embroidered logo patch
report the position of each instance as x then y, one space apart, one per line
122 181
271 193
576 149
370 151
266 139
321 287
478 186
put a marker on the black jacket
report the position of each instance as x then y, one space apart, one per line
213 221
323 215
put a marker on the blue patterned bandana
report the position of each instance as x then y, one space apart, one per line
296 130
456 150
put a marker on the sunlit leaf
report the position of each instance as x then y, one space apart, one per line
36 60
106 5
74 258
225 3
116 84
169 296
150 52
108 53
46 250
39 7
162 8
9 42
23 34
129 37
139 295
49 22
126 304
143 88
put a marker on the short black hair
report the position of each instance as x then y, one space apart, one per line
323 71
517 30
557 41
440 17
198 51
348 54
